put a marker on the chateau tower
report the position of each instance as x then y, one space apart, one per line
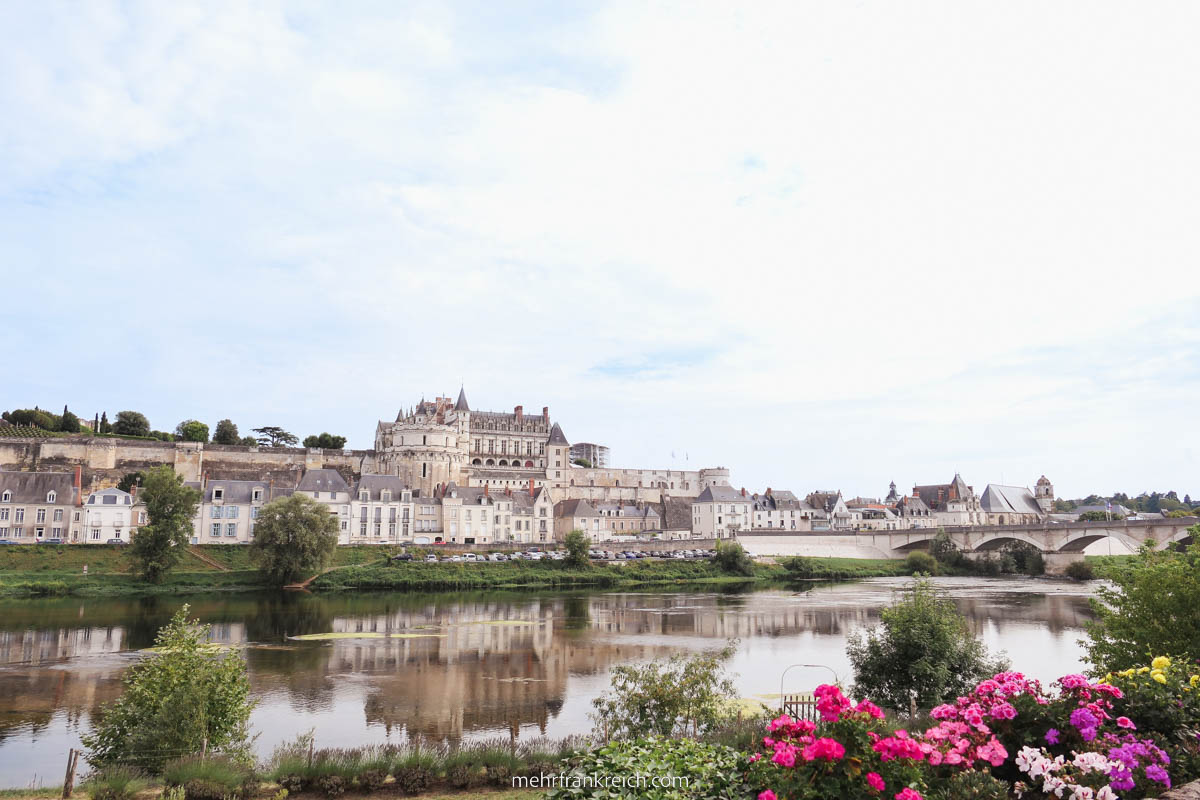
427 445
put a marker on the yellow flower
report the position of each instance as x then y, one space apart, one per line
1158 676
1162 662
1127 673
1195 681
1143 670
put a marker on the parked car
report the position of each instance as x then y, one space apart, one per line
117 541
50 541
470 557
403 557
431 559
8 541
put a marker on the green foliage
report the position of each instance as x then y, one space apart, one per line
945 551
1080 571
1098 516
226 433
209 777
274 436
577 545
249 441
293 538
1023 558
68 423
115 782
684 694
131 423
918 561
326 441
170 507
1150 605
733 559
105 425
921 648
972 785
184 695
35 417
191 431
129 480
807 568
690 770
582 462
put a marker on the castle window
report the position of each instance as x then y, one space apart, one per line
256 495
51 497
363 496
6 497
218 494
424 469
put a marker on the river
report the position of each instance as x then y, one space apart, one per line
492 665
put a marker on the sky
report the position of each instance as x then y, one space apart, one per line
826 245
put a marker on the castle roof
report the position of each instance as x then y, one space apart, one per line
32 487
241 491
461 405
376 485
556 435
574 508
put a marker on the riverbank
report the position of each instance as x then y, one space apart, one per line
58 571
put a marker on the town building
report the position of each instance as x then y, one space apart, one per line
780 510
953 503
229 509
36 506
1011 505
720 511
111 515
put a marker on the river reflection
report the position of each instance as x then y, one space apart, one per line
484 664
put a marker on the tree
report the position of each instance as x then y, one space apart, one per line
171 507
685 694
732 558
577 549
105 425
274 436
1099 516
921 648
582 462
249 441
186 697
1150 606
35 417
68 423
191 431
226 433
293 538
326 441
130 480
131 423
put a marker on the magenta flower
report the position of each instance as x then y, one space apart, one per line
875 781
1126 722
767 794
908 793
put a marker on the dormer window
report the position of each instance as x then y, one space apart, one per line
92 500
256 495
6 497
386 496
218 494
51 497
363 496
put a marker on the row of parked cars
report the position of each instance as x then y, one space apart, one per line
474 558
627 555
54 540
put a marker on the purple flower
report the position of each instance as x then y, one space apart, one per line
1156 773
1083 718
1121 780
1052 736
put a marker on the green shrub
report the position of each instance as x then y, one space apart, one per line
1080 571
202 777
972 785
923 648
371 780
920 561
413 779
698 770
117 782
331 785
733 559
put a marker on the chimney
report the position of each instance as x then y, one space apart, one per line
531 488
546 415
78 486
204 481
520 412
743 491
485 490
507 492
768 491
915 492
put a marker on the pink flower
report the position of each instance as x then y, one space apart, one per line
944 712
825 749
1003 711
767 794
875 781
755 757
867 707
992 752
785 755
1072 681
830 702
782 721
1126 722
908 794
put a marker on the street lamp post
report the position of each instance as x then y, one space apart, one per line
791 666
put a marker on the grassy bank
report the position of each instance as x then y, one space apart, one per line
842 569
533 575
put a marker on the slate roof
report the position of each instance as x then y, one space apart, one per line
912 505
678 513
32 487
720 494
376 485
461 405
322 480
556 435
242 491
110 497
625 510
1009 500
574 508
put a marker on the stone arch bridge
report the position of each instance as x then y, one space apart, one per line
1060 543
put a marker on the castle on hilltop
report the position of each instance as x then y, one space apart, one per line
443 442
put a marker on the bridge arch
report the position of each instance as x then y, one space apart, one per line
1085 538
991 545
914 544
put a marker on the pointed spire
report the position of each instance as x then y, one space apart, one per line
557 436
461 405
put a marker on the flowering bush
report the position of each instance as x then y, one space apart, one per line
1164 698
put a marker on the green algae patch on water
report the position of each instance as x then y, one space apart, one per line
329 637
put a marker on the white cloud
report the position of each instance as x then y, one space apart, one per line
820 244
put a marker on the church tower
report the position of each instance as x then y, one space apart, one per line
1043 492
